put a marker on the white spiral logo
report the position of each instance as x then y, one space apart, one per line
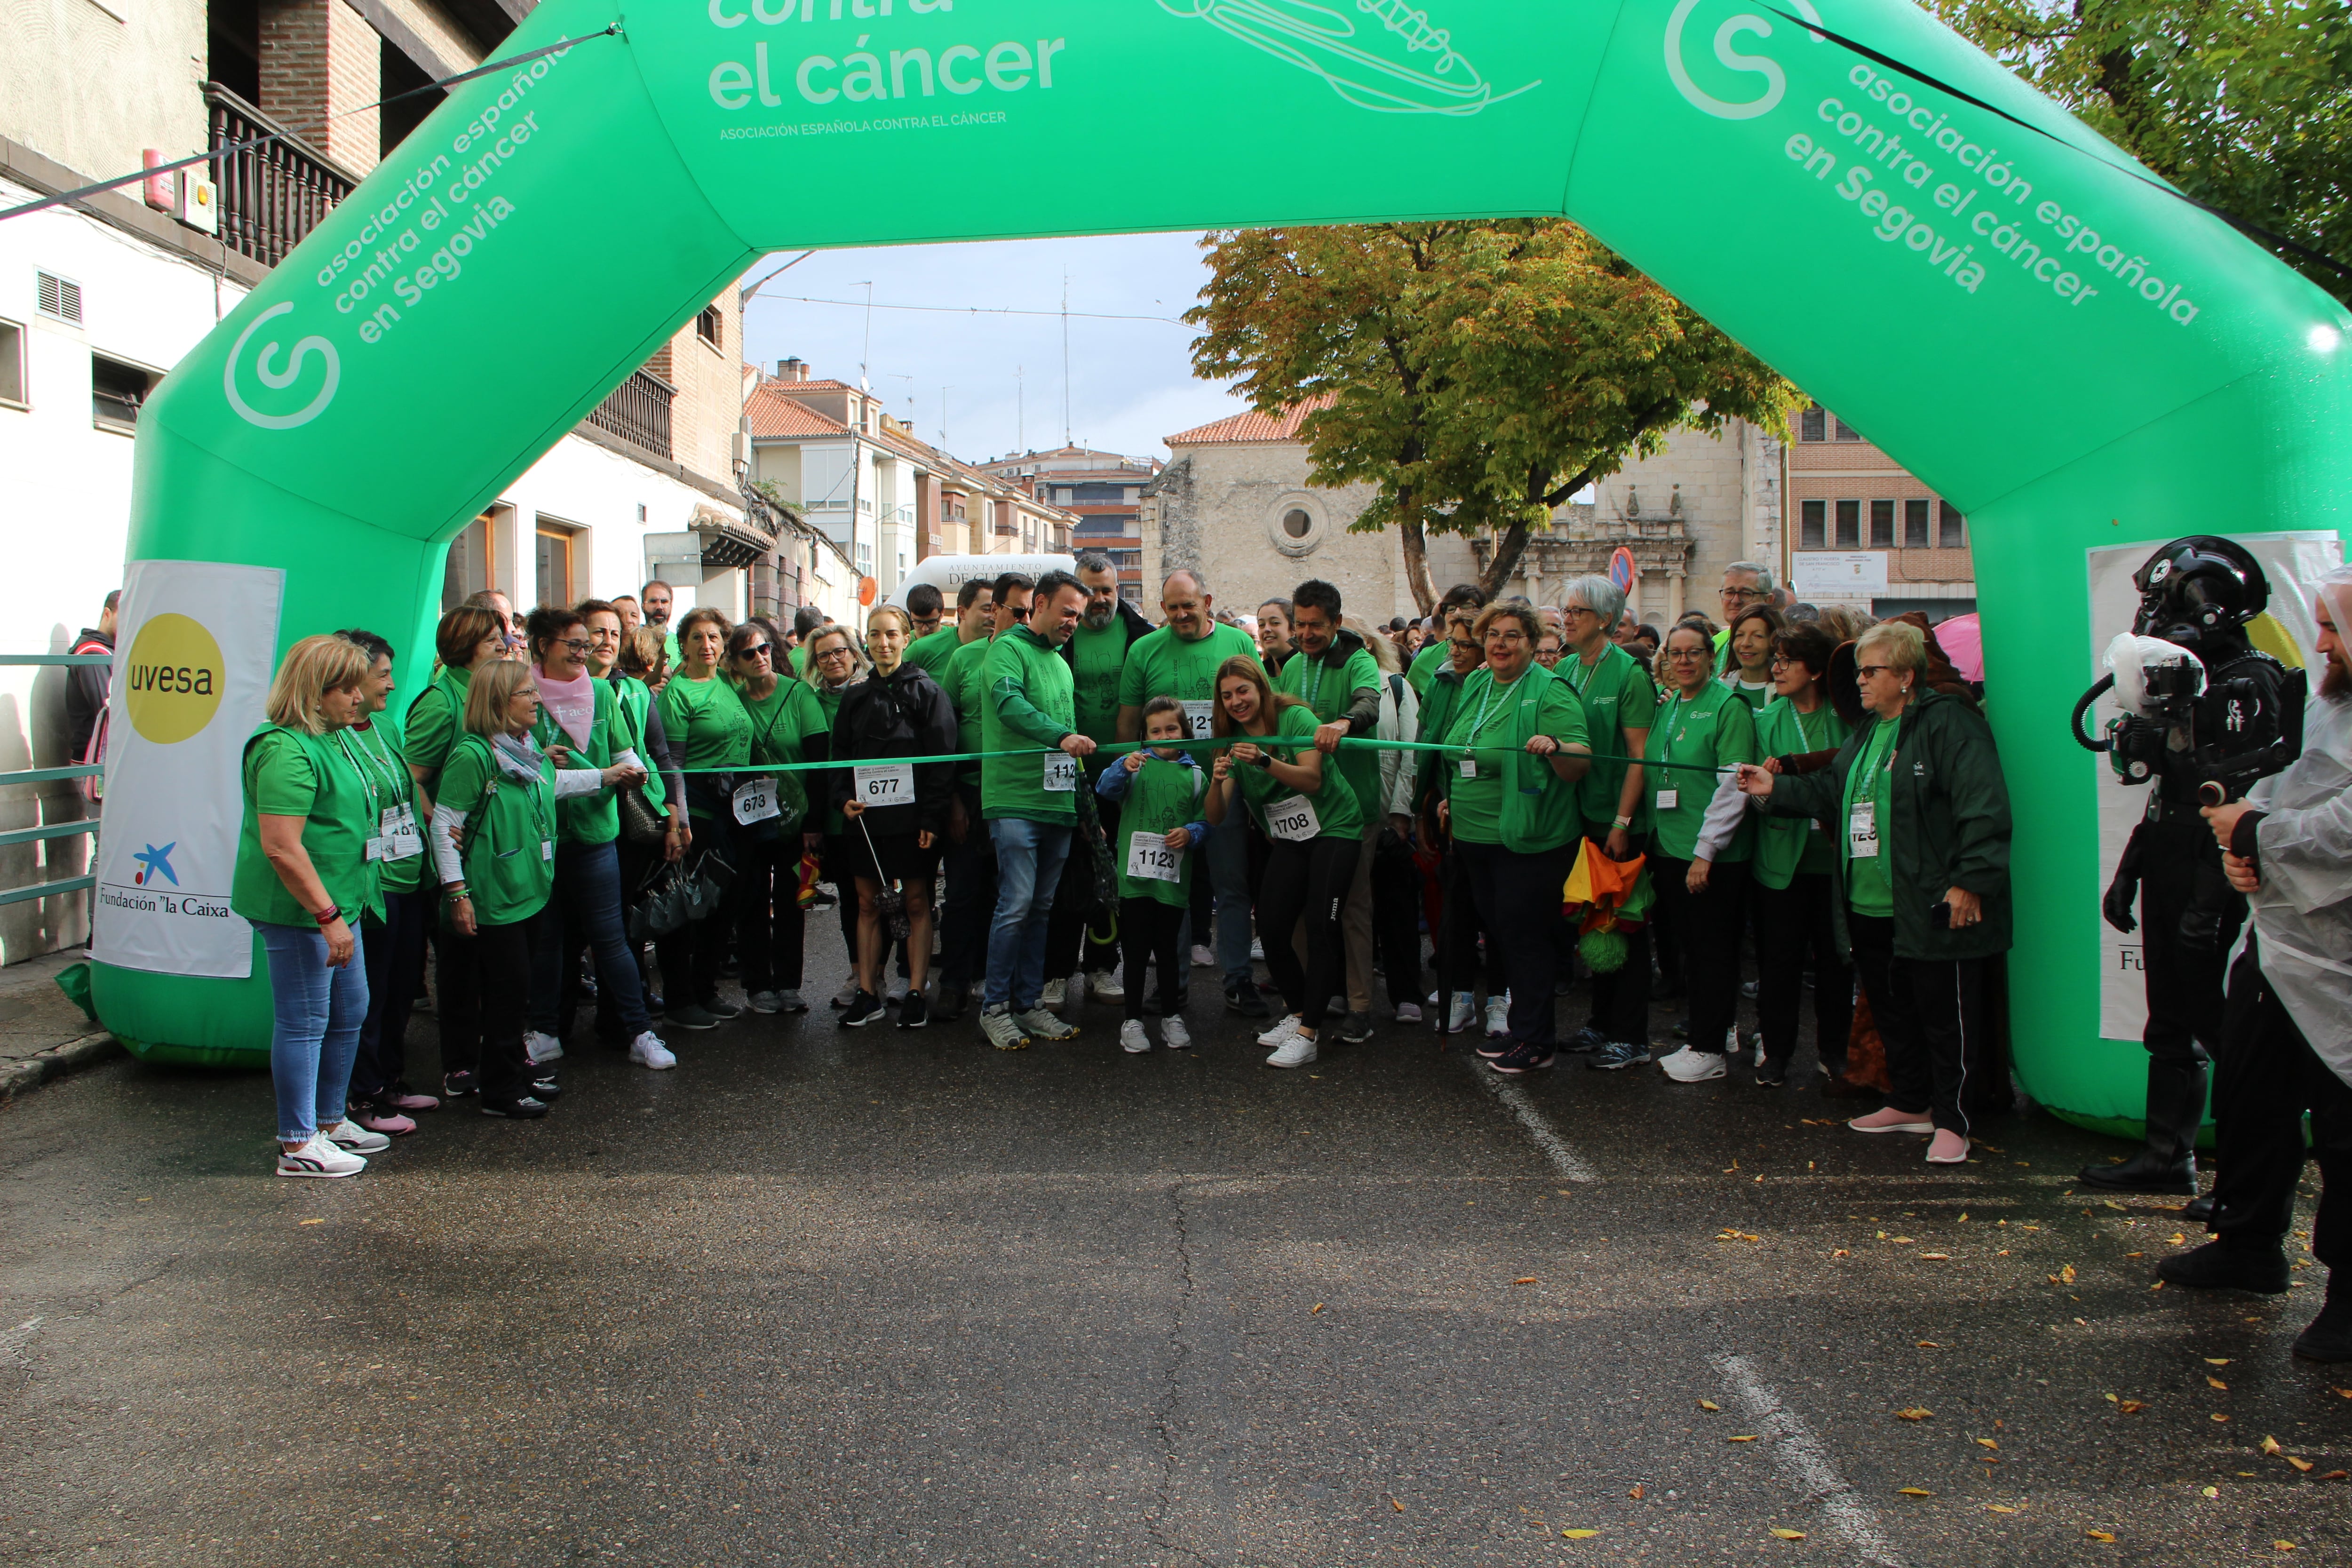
279 380
1776 83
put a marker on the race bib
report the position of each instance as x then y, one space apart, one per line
1292 819
1196 717
375 848
1862 831
400 837
885 783
1667 797
1469 768
756 802
547 849
1061 772
1149 859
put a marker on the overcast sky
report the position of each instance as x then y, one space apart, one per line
1131 382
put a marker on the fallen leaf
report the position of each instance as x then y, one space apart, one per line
1913 1414
2338 1475
1902 1241
1580 1534
2134 1255
1637 1493
2109 1399
2303 1465
2177 1239
2131 1406
310 1222
1747 1439
1936 1258
2212 1382
1787 1534
2100 1534
1913 1491
2210 1492
2271 1445
1841 1252
1999 1508
1708 1404
2112 1205
2067 1274
2284 1545
1318 1307
1929 1345
2220 1418
2346 1393
1396 1505
2217 1360
1526 1280
1987 1443
2158 1286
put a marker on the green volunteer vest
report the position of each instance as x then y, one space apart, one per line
1787 845
1161 797
289 773
588 818
376 755
509 833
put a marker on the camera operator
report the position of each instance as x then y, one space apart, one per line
2288 847
2197 594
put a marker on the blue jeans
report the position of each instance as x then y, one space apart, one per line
315 1017
585 911
1029 856
1228 853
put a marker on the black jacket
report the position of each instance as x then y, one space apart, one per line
86 690
1137 630
903 717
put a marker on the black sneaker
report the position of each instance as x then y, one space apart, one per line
947 1001
546 1089
1585 1041
687 1015
719 1008
2329 1337
1494 1046
2260 1267
862 1011
915 1012
1244 1000
524 1107
1772 1075
457 1085
1522 1059
1356 1028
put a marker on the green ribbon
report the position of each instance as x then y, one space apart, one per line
1120 748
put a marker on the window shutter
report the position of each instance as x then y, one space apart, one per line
60 297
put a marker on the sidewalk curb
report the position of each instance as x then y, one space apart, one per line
56 1062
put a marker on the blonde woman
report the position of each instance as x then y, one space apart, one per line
303 877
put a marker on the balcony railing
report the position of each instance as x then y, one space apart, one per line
272 195
637 411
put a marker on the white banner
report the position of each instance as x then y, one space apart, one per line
195 647
1838 574
2289 561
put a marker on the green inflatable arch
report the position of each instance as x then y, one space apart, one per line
2074 356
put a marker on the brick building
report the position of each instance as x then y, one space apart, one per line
1866 532
1104 491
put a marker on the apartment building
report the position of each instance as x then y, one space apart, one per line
100 299
1866 532
1103 491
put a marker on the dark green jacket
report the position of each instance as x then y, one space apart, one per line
1950 827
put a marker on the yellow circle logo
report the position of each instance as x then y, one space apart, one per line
175 678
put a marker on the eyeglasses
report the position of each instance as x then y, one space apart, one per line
577 645
1780 662
1685 653
1502 636
1865 671
832 653
1567 610
1745 595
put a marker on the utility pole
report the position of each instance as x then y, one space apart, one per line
943 416
1066 357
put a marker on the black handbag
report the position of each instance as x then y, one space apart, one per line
640 823
707 886
661 906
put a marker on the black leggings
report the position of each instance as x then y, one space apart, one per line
1148 929
484 1012
1708 924
1932 1017
1306 882
1790 922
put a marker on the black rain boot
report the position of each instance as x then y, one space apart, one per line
2257 1264
2198 1210
2329 1337
2176 1108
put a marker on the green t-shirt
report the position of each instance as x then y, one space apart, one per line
436 720
1487 714
1165 665
783 722
1713 729
1337 814
589 819
1097 659
1425 666
1326 692
1618 695
961 682
289 773
932 653
1785 845
374 752
635 700
1161 797
706 724
508 836
1024 673
1869 882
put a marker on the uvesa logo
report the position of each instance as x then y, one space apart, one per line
277 378
1726 38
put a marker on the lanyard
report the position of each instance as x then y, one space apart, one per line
1879 755
365 775
1314 668
1674 714
1804 734
1589 670
378 765
1479 722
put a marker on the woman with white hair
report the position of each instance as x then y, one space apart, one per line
1919 806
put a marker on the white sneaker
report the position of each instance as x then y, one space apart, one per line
541 1048
1297 1051
1464 1006
1285 1030
1202 958
1257 950
1688 1065
1408 1013
1498 1016
1104 986
1174 1035
1042 1022
648 1051
349 1134
1055 994
1132 1039
318 1158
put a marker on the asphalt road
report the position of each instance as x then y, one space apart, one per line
873 1296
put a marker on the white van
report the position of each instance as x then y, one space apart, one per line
948 574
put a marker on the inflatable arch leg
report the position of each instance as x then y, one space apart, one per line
2070 355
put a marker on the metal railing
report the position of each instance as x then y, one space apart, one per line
62 885
637 411
272 195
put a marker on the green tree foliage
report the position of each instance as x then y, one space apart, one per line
2244 105
1477 373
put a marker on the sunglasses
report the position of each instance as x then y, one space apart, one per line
757 650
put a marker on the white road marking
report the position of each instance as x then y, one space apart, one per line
1570 1165
1800 1457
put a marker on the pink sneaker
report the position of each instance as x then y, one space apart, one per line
1948 1147
403 1099
1889 1120
376 1119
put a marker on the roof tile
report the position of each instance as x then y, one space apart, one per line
1252 426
